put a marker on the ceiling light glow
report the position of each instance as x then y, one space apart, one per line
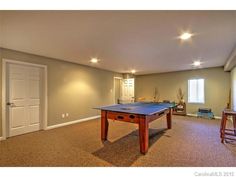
94 60
185 36
133 71
197 63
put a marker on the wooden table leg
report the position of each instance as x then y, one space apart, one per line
143 134
234 124
168 118
104 125
223 124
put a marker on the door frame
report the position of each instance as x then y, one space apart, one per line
114 88
43 120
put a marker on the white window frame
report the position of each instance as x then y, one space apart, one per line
197 102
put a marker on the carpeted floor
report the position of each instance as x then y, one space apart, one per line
192 142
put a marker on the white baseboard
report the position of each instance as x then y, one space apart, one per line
217 117
72 122
1 138
195 115
192 115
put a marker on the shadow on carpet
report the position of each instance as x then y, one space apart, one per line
125 151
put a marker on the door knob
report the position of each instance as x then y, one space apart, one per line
10 104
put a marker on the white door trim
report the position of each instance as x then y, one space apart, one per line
43 124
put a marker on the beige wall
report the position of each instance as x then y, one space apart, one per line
217 85
233 88
72 88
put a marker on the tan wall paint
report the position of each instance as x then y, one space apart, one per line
217 84
72 88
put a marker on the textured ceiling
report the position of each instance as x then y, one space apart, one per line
123 40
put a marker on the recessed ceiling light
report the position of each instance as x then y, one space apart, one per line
185 36
94 60
197 63
133 71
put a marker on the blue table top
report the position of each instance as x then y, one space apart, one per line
138 108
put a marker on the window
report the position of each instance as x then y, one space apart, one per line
196 91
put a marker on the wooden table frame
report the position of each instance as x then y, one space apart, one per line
142 120
223 130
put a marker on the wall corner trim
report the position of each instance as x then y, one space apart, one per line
72 122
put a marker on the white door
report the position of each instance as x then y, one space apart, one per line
128 90
23 99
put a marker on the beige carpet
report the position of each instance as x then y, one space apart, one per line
191 142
